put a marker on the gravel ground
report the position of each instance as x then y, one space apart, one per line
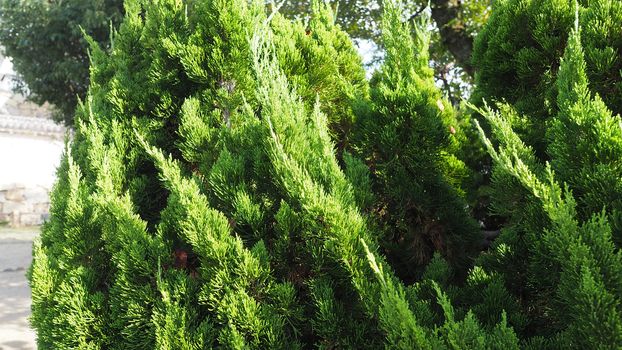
15 258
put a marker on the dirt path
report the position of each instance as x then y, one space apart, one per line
15 258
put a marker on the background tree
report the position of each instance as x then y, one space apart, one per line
408 135
46 42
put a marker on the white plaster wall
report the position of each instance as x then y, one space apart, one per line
29 161
30 149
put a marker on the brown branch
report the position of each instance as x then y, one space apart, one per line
416 14
446 85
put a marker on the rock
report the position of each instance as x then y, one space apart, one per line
41 208
12 207
13 219
24 206
10 186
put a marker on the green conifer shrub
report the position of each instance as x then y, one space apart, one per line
229 186
585 140
517 58
139 256
576 302
556 260
408 134
202 204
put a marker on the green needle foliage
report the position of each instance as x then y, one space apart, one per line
156 259
576 304
517 58
408 135
234 181
569 231
586 141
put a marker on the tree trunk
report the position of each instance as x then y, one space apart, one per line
453 33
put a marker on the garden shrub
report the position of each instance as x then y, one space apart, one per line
235 181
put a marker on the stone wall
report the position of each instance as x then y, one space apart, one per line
22 205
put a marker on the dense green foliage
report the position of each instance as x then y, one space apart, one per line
45 40
407 135
454 25
234 181
557 255
518 57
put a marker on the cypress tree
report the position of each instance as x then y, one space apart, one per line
576 303
585 140
133 280
202 203
556 228
234 181
321 62
342 251
517 58
408 134
69 269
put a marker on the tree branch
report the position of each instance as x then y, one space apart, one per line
414 15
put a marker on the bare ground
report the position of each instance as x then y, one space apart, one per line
15 258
